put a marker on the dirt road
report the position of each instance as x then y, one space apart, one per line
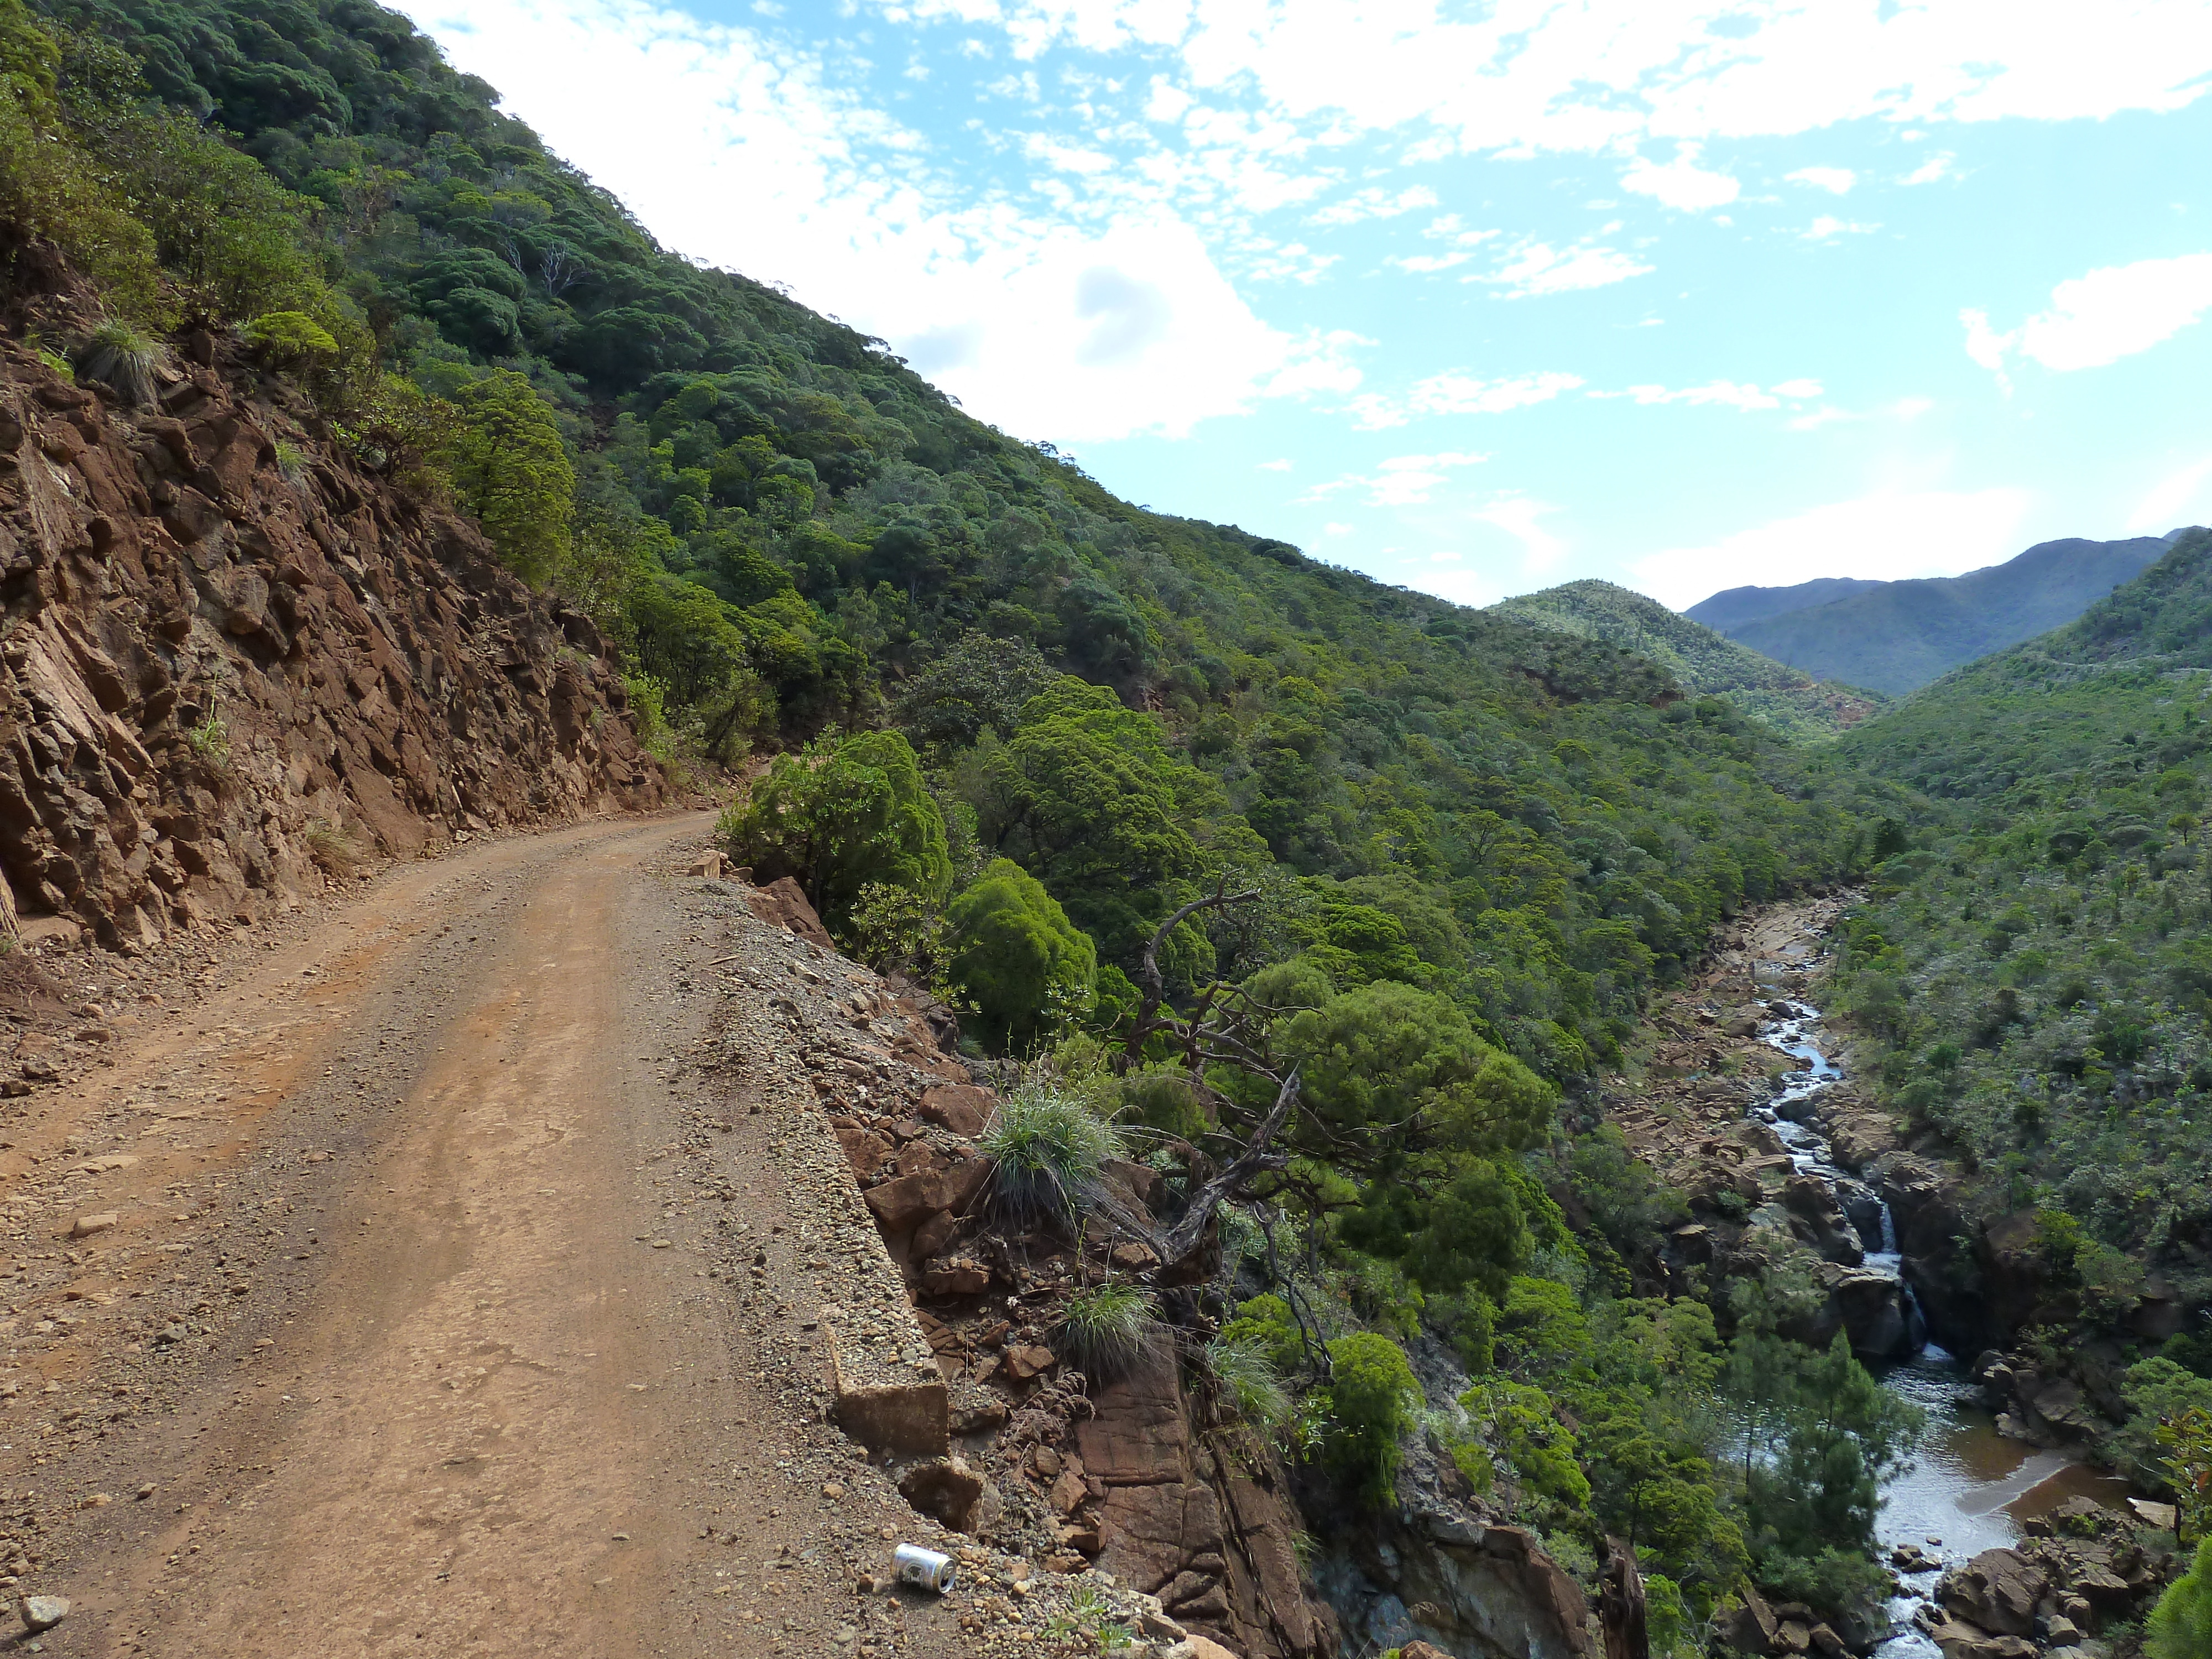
398 1319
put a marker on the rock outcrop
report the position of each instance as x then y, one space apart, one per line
234 663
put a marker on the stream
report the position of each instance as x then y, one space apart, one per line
1968 1488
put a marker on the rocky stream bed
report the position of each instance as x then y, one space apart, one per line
2001 1547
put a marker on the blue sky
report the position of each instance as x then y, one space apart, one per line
1681 293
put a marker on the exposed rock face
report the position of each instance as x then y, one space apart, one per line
1200 1519
1435 1572
232 661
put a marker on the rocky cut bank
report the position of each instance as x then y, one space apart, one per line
235 664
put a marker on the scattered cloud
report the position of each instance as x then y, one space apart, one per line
1837 181
1283 465
1454 392
2170 498
1680 183
1937 168
1889 536
1533 269
1375 205
1402 481
1827 228
1726 394
2113 311
1335 529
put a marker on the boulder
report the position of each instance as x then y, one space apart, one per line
1818 1219
1877 1314
960 1107
1960 1640
946 1489
783 903
1997 1590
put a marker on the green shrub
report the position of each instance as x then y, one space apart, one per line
1046 1149
122 358
1520 1421
1373 1395
1267 1325
1027 969
842 814
895 930
288 338
1106 1328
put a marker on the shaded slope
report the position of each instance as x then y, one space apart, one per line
2032 971
1900 636
1735 607
1702 660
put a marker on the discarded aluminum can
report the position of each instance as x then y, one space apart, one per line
925 1569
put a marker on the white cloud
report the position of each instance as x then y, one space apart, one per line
1070 328
1680 183
1402 481
1837 181
2113 311
1826 228
1283 465
2170 498
1517 516
1333 529
1727 394
1457 392
1937 168
1531 75
1891 536
1532 269
1375 205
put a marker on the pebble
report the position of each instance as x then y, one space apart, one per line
832 1489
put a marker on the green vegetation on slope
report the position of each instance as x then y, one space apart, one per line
1021 721
1788 699
2035 969
1897 636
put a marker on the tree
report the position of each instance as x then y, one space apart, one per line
2181 1626
981 683
840 815
509 471
1027 968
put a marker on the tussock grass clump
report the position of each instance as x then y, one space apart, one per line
210 740
333 850
1104 1330
122 358
1046 1147
1247 1382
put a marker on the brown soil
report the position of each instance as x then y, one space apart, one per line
406 1317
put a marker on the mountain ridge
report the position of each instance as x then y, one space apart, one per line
1895 637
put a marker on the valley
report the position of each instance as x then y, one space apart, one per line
640 962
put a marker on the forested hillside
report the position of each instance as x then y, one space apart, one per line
2035 968
1437 857
1730 609
1703 661
1895 636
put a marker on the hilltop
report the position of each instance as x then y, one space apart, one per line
1700 658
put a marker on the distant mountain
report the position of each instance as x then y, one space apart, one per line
1897 636
1730 610
1700 661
